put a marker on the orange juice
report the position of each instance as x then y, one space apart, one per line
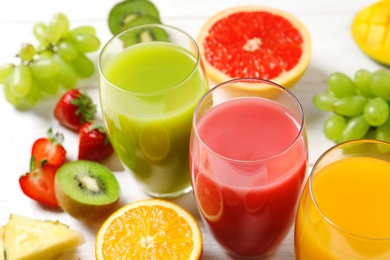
351 217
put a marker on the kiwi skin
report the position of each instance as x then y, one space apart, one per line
85 205
126 11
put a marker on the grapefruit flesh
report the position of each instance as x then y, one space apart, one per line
255 42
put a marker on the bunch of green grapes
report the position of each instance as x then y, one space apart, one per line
360 106
58 61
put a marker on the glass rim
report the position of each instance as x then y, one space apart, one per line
329 150
246 80
105 47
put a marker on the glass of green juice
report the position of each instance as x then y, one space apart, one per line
150 80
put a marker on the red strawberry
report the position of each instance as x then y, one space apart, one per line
74 108
94 144
50 149
38 184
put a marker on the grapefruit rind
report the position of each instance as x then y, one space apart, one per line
371 31
287 78
197 239
213 197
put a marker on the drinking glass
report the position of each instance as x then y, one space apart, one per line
344 209
248 160
150 79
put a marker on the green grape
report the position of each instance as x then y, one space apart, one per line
356 128
20 81
371 134
45 68
31 98
350 106
84 67
85 42
383 134
334 126
324 100
341 85
376 112
380 84
5 71
9 96
362 81
40 32
27 52
66 50
58 27
67 77
47 87
86 29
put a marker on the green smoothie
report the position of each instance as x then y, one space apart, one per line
148 95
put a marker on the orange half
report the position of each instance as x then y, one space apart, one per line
149 229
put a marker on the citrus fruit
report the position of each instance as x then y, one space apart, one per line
371 31
149 229
255 42
209 197
155 142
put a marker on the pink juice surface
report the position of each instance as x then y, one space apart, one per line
260 184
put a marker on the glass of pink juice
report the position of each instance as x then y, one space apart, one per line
150 80
344 209
248 160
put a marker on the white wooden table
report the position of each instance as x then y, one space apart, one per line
333 50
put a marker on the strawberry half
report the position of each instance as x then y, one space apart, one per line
74 109
50 149
38 184
94 144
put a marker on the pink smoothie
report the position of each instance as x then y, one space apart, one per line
259 171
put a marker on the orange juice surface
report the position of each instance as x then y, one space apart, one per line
354 195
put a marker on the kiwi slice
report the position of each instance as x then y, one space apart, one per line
142 32
86 190
126 11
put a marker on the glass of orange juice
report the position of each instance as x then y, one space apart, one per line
344 210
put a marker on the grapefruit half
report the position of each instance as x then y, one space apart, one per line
255 42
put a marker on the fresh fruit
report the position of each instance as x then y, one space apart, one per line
143 33
370 30
126 12
255 41
38 184
49 148
58 61
74 108
1 243
149 229
209 197
86 190
26 238
360 105
94 144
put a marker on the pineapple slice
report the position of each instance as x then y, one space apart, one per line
26 238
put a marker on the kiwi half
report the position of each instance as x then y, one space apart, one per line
86 190
143 33
126 11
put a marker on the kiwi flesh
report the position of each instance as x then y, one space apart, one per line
126 11
145 33
86 190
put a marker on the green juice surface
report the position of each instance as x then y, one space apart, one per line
148 113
